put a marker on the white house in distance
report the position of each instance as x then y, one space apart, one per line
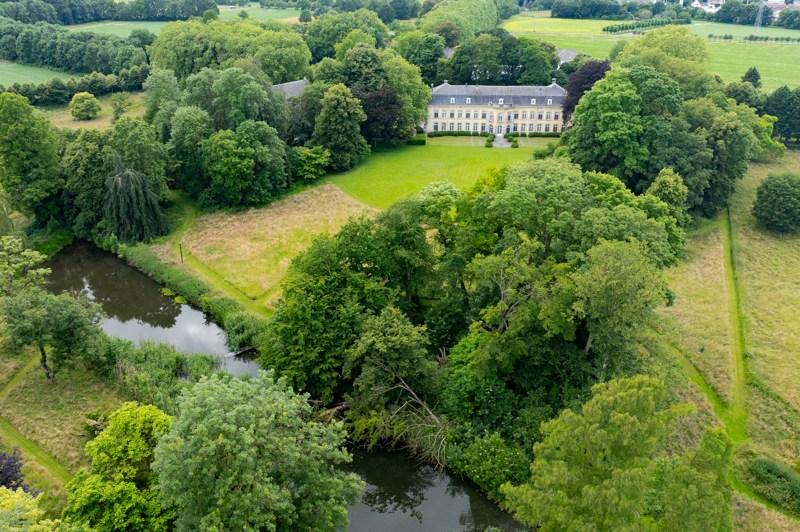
496 109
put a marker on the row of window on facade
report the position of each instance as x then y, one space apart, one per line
484 114
501 100
523 128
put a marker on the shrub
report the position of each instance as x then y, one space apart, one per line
308 164
490 462
777 482
417 140
489 143
84 106
514 143
777 205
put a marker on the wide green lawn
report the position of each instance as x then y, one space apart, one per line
393 174
16 73
122 28
778 63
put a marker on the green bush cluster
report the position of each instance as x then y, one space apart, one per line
777 482
490 462
724 37
777 205
417 140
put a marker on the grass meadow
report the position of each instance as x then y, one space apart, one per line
60 116
777 63
11 73
390 175
123 28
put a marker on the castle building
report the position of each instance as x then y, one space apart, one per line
496 109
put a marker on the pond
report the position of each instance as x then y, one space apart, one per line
401 495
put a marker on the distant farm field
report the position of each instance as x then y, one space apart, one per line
16 73
778 63
123 28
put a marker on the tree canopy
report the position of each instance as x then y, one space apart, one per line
247 454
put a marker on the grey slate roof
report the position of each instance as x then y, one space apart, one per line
565 55
519 95
291 89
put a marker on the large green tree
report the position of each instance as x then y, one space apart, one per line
245 167
86 164
63 330
119 490
190 127
248 455
19 267
29 169
338 128
136 147
600 469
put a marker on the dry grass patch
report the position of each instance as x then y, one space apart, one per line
750 516
252 250
769 270
699 316
61 117
53 415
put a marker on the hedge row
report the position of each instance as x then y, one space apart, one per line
58 91
649 23
534 134
765 38
459 134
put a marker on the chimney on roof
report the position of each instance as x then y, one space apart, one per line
444 82
553 81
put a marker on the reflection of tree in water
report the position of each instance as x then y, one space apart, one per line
394 483
481 513
123 292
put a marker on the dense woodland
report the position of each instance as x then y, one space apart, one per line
495 331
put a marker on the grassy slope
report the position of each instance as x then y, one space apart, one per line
768 267
727 285
123 28
45 422
60 116
777 62
11 73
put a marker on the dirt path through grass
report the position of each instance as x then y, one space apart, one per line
13 438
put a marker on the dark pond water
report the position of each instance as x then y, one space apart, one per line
135 306
401 495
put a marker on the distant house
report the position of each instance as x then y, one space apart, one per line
496 109
291 89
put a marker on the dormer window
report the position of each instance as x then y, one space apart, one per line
549 101
500 101
452 100
533 101
469 100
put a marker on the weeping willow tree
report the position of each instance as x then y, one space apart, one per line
132 208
